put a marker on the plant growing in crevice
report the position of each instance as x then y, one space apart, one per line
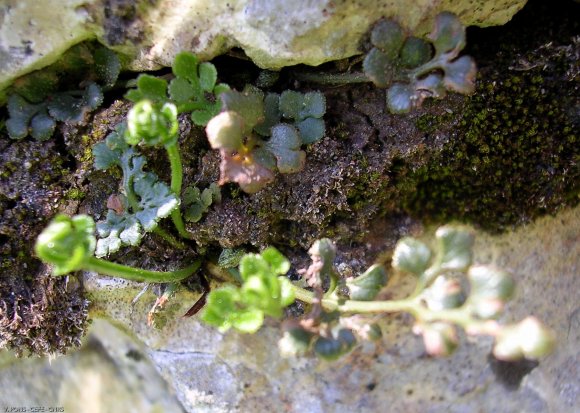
290 120
144 198
264 292
196 202
68 245
412 69
143 202
152 125
36 104
450 292
194 88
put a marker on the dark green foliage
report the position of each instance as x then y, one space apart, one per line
290 120
148 88
231 257
437 282
107 66
334 347
193 89
285 146
68 107
445 293
295 341
415 52
145 199
413 69
303 110
366 286
28 118
36 103
196 202
440 290
39 120
411 256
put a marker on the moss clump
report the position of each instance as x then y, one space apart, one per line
428 122
75 194
38 314
515 155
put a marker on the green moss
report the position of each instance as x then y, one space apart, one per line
515 157
367 178
428 123
341 131
75 194
8 170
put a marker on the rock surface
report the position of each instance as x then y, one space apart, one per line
110 374
273 33
230 372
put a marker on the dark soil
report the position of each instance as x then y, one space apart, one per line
497 159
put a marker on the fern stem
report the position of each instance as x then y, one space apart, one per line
174 242
459 316
137 274
176 182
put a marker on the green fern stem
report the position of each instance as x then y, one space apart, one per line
137 274
174 242
459 316
176 182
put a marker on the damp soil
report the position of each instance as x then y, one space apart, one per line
495 160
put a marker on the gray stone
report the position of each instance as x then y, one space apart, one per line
233 372
273 33
213 372
110 373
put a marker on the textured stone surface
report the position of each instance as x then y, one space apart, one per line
274 33
34 34
233 372
213 372
111 373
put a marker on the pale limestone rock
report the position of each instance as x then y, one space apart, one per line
234 372
231 372
273 33
110 373
34 33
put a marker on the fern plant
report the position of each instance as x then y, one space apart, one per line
37 104
239 132
194 89
451 291
412 69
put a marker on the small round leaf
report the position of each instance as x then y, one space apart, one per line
411 256
388 36
415 52
448 34
42 126
460 75
224 131
311 130
400 98
379 68
207 76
